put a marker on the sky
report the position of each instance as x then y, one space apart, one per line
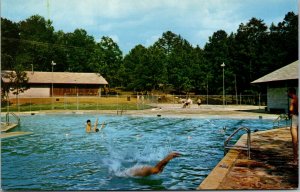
133 22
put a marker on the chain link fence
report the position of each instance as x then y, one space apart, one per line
126 102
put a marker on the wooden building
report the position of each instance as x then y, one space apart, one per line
41 84
277 83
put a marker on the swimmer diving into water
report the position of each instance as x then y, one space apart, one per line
158 168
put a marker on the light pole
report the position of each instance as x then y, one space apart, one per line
236 97
53 64
31 68
223 66
207 90
76 87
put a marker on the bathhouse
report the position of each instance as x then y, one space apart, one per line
47 84
277 83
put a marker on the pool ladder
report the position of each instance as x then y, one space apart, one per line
280 118
14 115
238 147
122 110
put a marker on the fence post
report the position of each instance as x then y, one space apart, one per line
118 105
64 101
137 101
18 103
30 104
8 104
77 100
259 101
240 99
97 98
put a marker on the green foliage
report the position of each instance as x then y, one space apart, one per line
81 106
9 43
36 37
110 61
14 81
171 64
78 49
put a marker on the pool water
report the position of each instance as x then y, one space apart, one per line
60 155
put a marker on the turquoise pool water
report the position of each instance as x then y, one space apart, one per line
61 156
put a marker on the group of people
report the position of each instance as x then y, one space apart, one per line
188 102
159 167
141 171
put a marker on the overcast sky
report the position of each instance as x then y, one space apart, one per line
133 22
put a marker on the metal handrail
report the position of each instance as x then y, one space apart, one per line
122 110
226 146
14 115
281 117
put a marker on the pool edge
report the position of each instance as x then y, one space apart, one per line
217 177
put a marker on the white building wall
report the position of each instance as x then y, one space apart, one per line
34 92
277 98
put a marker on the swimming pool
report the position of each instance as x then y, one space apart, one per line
61 156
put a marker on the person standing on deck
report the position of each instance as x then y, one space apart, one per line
293 113
199 102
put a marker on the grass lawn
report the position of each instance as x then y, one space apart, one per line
73 103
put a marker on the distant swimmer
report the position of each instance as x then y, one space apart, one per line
88 127
158 168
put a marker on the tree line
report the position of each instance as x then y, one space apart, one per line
171 64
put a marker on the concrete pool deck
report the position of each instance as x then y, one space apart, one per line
6 127
271 151
270 165
176 110
14 134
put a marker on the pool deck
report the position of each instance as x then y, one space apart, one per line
14 134
271 151
176 110
269 167
7 127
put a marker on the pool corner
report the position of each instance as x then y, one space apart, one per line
269 167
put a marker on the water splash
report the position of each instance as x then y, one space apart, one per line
122 162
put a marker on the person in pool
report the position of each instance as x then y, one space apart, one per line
158 168
89 126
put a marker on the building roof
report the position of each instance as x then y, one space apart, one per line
288 72
65 78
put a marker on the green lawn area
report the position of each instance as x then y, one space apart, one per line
87 106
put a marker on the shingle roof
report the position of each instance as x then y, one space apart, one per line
65 78
288 72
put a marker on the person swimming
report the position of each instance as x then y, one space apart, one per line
88 127
144 171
